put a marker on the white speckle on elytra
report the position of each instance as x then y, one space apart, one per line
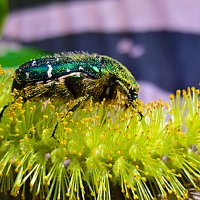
81 68
33 63
49 71
68 70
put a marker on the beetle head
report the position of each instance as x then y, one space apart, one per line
133 94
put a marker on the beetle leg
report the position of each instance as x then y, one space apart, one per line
126 92
54 131
40 90
63 91
34 91
80 101
141 115
2 111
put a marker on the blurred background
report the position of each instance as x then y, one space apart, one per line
158 41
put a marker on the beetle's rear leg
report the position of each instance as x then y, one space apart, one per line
2 111
7 105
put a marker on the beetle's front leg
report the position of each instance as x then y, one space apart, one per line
126 92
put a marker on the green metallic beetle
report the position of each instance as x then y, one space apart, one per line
75 75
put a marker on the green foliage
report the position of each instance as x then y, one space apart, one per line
13 58
3 12
99 147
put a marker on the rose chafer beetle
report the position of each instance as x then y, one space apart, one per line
75 75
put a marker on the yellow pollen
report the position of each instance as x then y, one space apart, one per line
45 116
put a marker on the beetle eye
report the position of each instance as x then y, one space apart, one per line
133 93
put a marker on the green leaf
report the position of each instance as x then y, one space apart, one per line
14 58
3 13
